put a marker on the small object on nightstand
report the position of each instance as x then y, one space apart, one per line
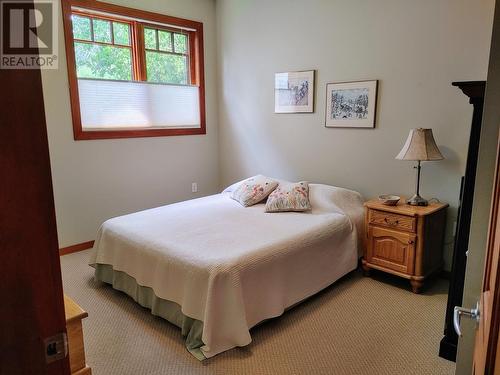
405 240
389 200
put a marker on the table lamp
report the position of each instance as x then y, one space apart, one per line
420 146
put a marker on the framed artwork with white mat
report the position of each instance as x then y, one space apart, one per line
294 92
351 104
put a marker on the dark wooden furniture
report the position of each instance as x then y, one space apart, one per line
475 91
405 240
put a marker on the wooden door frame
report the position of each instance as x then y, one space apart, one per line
492 366
32 306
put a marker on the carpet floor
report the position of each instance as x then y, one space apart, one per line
357 326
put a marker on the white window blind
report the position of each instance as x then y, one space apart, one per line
109 105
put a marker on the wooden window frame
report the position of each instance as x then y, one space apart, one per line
97 9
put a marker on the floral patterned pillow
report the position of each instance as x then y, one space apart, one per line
289 197
253 190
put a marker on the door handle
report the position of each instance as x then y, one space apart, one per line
458 311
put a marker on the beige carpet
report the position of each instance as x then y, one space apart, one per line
358 326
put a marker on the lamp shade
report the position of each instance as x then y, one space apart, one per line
420 145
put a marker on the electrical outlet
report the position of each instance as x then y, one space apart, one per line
194 187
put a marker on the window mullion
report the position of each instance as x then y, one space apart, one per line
191 57
138 50
91 29
112 30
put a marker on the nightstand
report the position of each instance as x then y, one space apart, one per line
405 240
76 350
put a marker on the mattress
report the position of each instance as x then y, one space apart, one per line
231 267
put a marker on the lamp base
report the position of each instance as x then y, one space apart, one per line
417 200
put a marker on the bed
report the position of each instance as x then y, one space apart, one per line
217 269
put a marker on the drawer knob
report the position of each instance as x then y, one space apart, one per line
395 222
410 242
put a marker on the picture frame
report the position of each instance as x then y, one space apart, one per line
294 92
351 104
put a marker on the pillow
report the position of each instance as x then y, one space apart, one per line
289 197
232 187
253 190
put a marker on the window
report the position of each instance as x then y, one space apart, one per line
133 73
103 48
167 56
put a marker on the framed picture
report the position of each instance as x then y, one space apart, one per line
294 92
351 104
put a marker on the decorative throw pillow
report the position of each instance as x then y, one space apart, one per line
253 190
289 197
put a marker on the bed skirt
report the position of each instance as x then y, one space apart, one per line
192 329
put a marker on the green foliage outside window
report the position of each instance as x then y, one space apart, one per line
103 62
150 38
165 41
166 68
121 33
102 30
81 28
180 43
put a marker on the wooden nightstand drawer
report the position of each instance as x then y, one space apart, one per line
391 249
392 220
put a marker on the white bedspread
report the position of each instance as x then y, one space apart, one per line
232 267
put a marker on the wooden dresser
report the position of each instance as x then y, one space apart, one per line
74 316
405 240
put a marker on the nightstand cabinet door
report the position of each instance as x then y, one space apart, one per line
391 249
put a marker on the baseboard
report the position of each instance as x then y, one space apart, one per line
75 248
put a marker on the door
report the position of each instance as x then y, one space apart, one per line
391 249
486 344
481 249
31 307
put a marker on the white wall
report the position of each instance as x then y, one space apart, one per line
415 48
98 179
